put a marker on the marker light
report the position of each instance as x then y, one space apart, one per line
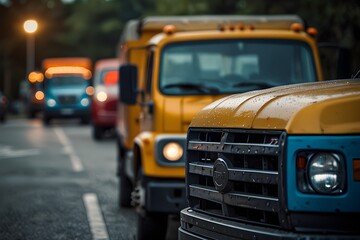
312 32
169 29
297 27
173 151
90 90
39 95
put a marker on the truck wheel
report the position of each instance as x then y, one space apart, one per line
85 120
152 226
125 188
2 118
97 132
46 121
31 114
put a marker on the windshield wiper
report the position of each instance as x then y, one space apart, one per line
260 85
192 86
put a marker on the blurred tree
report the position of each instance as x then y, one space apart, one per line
92 28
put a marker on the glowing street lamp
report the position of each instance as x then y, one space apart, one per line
30 27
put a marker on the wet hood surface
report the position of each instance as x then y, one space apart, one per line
311 108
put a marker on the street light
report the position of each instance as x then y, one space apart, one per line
30 27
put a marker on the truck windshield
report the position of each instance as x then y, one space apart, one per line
66 81
233 66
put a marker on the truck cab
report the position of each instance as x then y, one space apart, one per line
175 67
280 163
66 88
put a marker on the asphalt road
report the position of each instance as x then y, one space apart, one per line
56 182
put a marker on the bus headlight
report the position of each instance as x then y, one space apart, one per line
326 173
173 151
51 102
84 102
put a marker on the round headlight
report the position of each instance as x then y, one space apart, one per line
84 102
101 96
173 151
51 102
326 173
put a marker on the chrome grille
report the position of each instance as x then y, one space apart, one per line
67 99
253 177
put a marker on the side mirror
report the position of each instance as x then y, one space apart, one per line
128 84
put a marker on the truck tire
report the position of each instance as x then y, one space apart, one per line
97 132
46 120
31 114
152 226
125 185
125 188
84 121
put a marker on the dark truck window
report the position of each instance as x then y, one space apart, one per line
233 66
66 81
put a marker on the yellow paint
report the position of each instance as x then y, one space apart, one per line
173 114
329 107
145 141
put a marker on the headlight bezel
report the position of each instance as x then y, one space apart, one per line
162 141
305 181
50 102
85 102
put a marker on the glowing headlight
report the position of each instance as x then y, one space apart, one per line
101 96
326 173
173 151
84 102
51 102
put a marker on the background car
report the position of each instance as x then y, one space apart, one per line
105 98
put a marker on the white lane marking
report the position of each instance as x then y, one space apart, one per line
95 218
8 152
75 160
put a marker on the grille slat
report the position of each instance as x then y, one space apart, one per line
233 199
67 99
244 175
235 148
234 173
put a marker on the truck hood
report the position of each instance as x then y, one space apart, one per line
330 107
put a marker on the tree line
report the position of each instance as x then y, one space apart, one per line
92 28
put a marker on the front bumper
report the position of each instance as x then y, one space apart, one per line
67 112
195 225
165 196
104 118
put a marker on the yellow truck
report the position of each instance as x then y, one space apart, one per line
280 163
174 66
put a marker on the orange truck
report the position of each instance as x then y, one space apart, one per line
172 68
66 88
